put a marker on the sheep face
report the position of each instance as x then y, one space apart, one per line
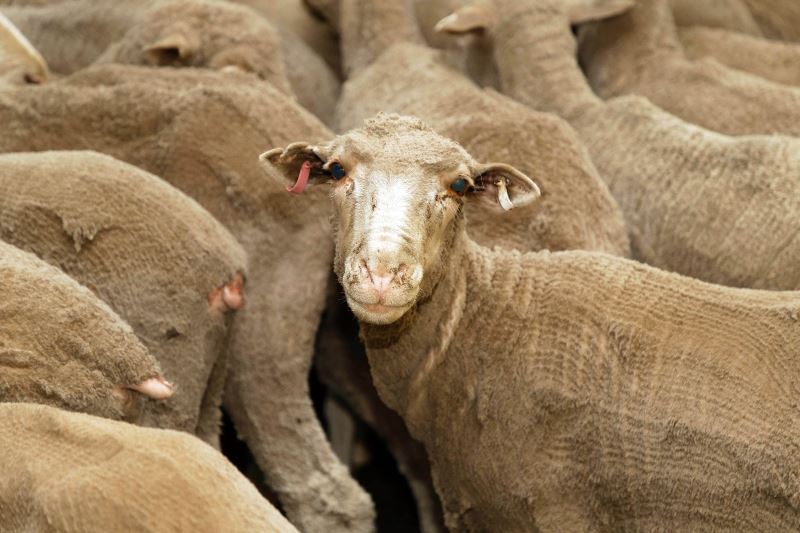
398 191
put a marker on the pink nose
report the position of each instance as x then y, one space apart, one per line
382 282
382 278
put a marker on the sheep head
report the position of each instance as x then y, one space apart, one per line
398 190
482 15
204 34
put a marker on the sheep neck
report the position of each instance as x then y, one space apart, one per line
402 355
535 53
368 27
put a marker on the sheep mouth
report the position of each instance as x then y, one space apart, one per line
378 313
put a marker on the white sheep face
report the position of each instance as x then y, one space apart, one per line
398 190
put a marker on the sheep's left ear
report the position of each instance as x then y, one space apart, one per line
581 11
475 17
172 48
502 185
300 165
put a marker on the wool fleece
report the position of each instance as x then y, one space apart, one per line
74 473
62 346
202 132
148 250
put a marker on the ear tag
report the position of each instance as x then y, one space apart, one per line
302 179
502 195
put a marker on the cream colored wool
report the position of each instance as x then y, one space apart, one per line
732 15
61 345
144 248
20 62
713 207
772 60
639 52
202 131
194 33
73 473
573 391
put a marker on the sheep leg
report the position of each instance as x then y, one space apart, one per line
267 391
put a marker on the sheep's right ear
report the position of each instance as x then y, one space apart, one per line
300 164
475 17
582 11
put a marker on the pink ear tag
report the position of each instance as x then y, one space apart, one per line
302 179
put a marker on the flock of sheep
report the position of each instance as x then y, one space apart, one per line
569 231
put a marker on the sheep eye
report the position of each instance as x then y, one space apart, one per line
459 186
337 171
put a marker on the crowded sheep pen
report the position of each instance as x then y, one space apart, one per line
399 266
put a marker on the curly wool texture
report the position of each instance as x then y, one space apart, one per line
772 60
202 132
639 52
144 248
60 345
73 473
72 34
717 208
576 391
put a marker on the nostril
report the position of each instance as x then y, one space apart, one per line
401 271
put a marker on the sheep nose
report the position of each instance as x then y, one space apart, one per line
382 277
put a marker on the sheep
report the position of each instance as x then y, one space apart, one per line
393 72
733 15
62 346
772 60
155 256
639 52
69 472
722 209
20 62
559 391
197 129
76 33
179 33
